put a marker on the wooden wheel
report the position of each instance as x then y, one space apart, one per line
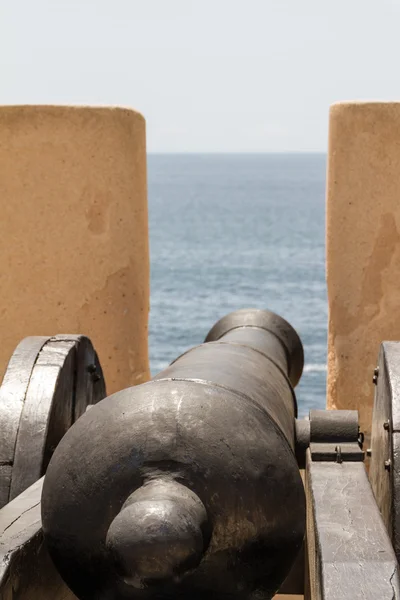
48 385
385 442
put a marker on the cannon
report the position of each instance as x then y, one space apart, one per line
187 484
201 483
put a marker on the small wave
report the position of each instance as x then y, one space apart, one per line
312 368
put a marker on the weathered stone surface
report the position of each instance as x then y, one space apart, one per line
363 248
73 232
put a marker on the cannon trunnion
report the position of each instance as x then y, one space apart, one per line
189 486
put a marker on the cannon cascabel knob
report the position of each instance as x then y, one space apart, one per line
160 533
186 486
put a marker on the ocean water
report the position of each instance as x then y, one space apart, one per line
238 231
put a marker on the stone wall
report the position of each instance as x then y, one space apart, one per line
363 248
74 234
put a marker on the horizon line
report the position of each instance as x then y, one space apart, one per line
235 152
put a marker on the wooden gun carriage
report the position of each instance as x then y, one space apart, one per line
190 485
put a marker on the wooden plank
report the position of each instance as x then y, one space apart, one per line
381 443
389 382
390 352
385 442
395 479
12 398
26 570
350 553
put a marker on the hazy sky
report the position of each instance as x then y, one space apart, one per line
208 75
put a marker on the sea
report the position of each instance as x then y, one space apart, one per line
230 231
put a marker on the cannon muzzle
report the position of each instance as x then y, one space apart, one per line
186 486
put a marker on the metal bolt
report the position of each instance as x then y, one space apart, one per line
386 425
375 377
338 451
369 452
93 371
388 464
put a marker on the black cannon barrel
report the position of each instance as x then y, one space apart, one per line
282 344
250 352
186 486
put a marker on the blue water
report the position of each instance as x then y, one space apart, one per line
237 231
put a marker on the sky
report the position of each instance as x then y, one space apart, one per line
208 75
